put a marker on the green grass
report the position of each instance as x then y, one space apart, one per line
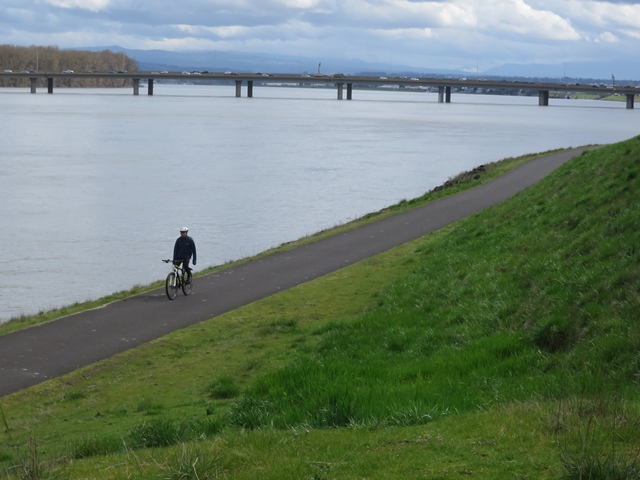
504 346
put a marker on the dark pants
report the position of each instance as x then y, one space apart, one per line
185 265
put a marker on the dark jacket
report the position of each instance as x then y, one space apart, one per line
185 247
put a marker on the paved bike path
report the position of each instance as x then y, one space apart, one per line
42 352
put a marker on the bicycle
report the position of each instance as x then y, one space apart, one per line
177 279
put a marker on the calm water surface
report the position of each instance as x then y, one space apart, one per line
94 184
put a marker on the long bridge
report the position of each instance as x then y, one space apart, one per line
344 83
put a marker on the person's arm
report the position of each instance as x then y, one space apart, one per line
175 250
194 252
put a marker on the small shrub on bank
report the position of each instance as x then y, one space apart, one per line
191 462
593 435
94 446
223 387
164 432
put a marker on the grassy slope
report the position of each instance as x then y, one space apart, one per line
494 348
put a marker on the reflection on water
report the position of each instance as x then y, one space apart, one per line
94 184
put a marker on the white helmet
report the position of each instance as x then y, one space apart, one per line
184 229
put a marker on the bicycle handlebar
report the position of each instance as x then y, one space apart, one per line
175 262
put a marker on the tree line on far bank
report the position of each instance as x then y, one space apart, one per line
54 60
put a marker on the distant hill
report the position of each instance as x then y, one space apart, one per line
220 61
578 70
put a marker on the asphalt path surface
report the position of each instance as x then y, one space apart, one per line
53 349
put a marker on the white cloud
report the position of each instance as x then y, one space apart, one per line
634 34
592 16
607 37
606 16
406 33
408 13
226 32
518 17
320 5
91 5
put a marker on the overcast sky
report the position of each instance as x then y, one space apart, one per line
473 35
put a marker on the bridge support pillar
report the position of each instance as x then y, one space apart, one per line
630 100
349 91
150 86
340 88
33 84
250 88
543 98
49 85
238 88
136 86
444 94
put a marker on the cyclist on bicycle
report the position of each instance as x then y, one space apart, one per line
183 250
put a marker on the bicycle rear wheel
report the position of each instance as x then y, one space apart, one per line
171 286
186 287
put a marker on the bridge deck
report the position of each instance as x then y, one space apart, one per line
444 85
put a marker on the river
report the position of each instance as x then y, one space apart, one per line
95 183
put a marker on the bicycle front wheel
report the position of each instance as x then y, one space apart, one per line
186 287
171 286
